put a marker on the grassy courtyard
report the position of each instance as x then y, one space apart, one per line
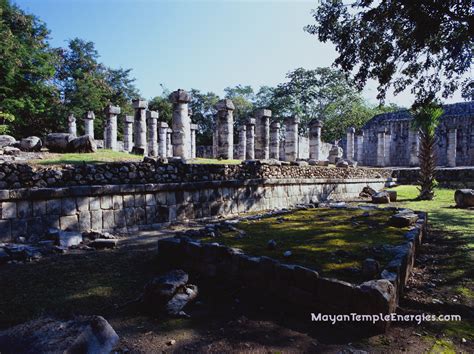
334 242
100 156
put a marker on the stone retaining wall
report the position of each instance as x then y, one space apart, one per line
300 286
29 212
16 175
456 177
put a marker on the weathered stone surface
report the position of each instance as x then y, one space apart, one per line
6 140
335 154
10 150
92 334
403 219
381 198
184 296
342 164
69 238
32 143
101 243
58 142
84 144
392 195
370 268
464 198
160 290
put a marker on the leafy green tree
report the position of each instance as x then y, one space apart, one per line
163 106
27 66
422 44
203 114
243 98
426 119
85 84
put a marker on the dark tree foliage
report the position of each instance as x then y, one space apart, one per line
425 45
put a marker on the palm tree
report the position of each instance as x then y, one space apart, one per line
425 120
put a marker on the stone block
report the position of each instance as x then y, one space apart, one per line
305 279
161 198
85 223
119 218
117 202
94 203
96 219
139 104
69 222
106 202
108 219
5 230
335 296
150 199
35 227
69 238
19 227
39 207
128 201
129 216
9 210
82 203
68 206
140 200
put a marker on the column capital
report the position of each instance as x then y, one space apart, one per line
152 115
179 96
250 121
194 126
71 118
351 130
139 104
315 123
128 119
275 125
163 125
292 120
89 115
112 109
225 105
241 128
263 113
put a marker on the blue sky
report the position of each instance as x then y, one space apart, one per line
203 44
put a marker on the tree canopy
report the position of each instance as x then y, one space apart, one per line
424 45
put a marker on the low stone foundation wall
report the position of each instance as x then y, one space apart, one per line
456 177
29 212
299 286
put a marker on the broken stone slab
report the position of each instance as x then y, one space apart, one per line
12 151
392 195
94 234
161 289
184 296
342 164
69 238
92 334
464 198
58 142
84 144
381 198
31 143
367 192
101 243
403 219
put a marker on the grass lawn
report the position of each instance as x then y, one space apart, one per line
203 161
96 157
331 241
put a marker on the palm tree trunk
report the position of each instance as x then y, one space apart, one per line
427 159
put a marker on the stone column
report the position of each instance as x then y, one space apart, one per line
181 124
242 149
110 140
360 147
128 133
291 138
162 139
315 139
71 125
250 153
139 129
413 145
152 122
214 143
262 133
225 129
350 151
194 128
169 143
275 140
89 124
381 148
388 144
452 145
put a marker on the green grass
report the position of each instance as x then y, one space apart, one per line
78 158
203 161
313 236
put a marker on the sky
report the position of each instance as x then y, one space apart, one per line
203 44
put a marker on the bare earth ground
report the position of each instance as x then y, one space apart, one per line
223 319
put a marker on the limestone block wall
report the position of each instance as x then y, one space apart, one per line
29 212
457 117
